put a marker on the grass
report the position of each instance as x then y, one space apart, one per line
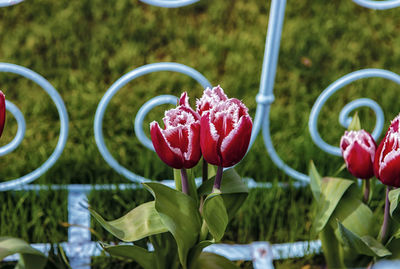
82 47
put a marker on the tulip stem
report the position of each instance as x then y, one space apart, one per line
205 170
218 178
184 180
383 234
366 190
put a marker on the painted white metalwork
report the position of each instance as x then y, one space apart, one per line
6 3
387 4
101 108
62 111
13 109
169 3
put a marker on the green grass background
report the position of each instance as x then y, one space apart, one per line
82 47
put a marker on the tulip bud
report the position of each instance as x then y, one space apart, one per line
225 131
178 144
358 151
387 156
2 111
210 99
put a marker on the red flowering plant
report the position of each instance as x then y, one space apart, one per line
181 222
349 221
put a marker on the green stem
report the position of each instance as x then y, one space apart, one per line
184 179
366 190
218 178
386 218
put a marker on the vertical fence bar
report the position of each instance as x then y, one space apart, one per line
78 233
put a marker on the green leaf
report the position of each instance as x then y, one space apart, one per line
179 213
30 258
315 181
213 261
366 245
394 202
139 223
215 215
355 124
196 251
142 256
233 191
332 190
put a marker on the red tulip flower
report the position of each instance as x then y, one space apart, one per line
178 145
358 150
2 111
210 99
387 157
225 132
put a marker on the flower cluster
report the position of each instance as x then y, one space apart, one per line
364 160
2 111
219 129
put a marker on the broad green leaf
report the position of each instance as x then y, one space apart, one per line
234 191
165 251
30 258
142 256
179 213
330 247
355 124
140 222
366 245
394 202
332 190
315 181
394 246
208 260
196 251
215 215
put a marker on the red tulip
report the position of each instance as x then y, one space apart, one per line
178 144
2 111
358 150
225 132
387 157
211 98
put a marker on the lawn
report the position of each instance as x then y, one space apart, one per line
82 47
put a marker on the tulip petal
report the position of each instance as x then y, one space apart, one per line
168 154
377 159
389 170
359 162
193 153
209 140
2 112
234 146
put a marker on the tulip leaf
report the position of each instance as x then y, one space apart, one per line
355 215
366 245
30 258
215 215
332 190
315 181
213 261
394 196
179 213
355 124
233 191
142 256
197 250
140 222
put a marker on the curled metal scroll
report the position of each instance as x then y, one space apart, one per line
378 4
6 3
344 118
13 109
169 3
62 111
101 108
